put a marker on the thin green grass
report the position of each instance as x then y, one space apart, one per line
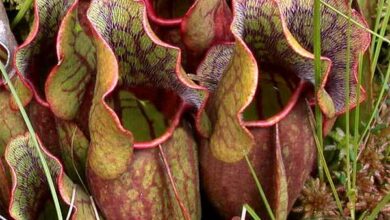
375 48
94 208
35 141
347 113
71 205
79 176
356 143
22 12
376 27
184 210
380 40
317 128
323 161
379 207
251 212
363 215
260 188
73 162
318 75
378 103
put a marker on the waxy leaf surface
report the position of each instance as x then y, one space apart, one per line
12 126
230 141
334 37
144 190
207 22
36 56
71 79
130 58
30 188
74 149
282 168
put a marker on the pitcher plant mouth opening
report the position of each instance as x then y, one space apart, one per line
277 92
150 114
160 20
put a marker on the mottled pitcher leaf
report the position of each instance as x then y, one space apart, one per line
143 59
74 148
281 192
12 125
206 23
111 145
132 64
30 188
334 29
326 103
260 25
83 208
214 65
44 124
37 55
144 190
230 140
11 121
69 80
229 185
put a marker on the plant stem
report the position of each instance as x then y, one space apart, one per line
347 113
379 207
251 212
356 130
323 161
260 188
380 40
378 102
376 26
318 76
186 214
22 12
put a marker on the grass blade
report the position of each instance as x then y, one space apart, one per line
323 161
380 40
347 113
356 130
243 213
97 216
35 141
251 212
318 77
74 164
378 102
379 207
186 214
376 26
260 188
71 205
22 12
